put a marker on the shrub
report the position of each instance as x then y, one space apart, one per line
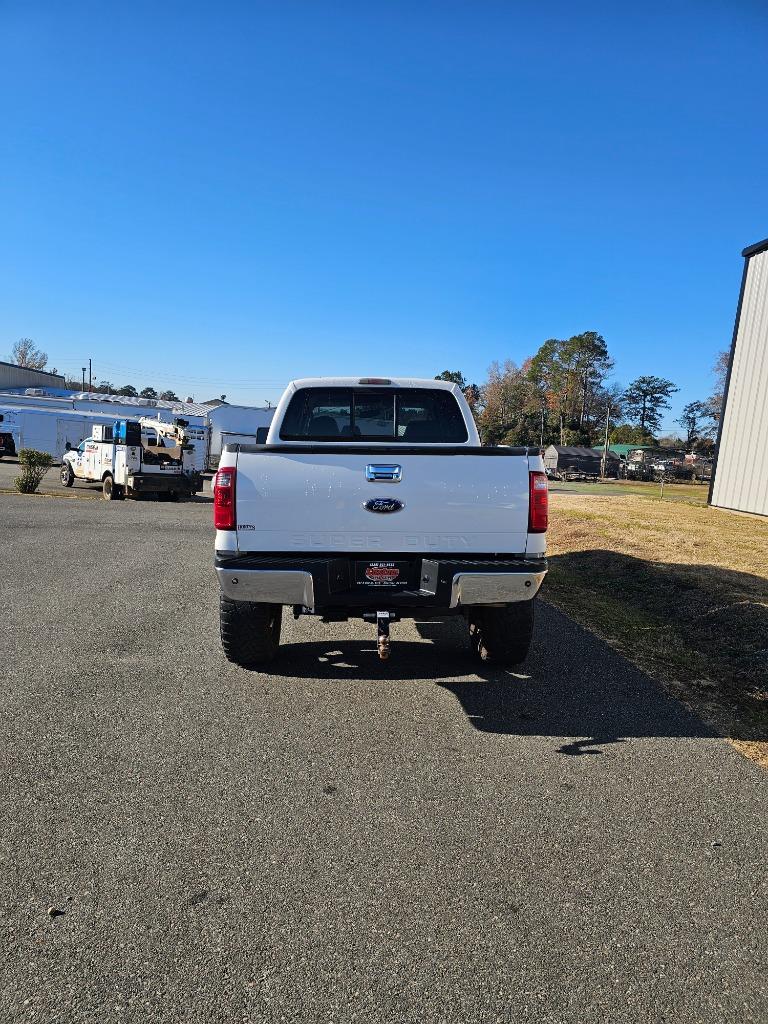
34 466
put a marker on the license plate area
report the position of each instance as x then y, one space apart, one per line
382 573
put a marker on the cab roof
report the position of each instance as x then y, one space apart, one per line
352 382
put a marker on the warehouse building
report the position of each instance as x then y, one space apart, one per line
14 376
740 474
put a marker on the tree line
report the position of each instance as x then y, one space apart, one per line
105 387
25 353
564 395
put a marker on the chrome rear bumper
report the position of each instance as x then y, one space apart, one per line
268 586
473 588
296 587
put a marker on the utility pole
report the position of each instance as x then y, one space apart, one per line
90 377
604 460
541 432
83 369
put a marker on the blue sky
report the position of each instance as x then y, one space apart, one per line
220 197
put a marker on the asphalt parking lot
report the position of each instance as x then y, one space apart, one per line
51 483
340 840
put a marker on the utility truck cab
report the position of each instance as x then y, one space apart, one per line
130 458
373 498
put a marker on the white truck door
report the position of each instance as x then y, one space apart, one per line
78 463
95 460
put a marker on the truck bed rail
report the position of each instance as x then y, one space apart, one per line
379 449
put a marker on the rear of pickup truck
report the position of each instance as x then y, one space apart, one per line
376 500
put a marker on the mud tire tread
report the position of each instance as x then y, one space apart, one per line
250 631
502 636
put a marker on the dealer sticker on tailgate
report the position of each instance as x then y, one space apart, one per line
382 574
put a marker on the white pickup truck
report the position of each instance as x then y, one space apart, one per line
373 498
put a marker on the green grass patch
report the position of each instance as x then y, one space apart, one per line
693 493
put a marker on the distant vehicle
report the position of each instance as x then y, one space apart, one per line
649 463
373 498
130 460
577 462
672 469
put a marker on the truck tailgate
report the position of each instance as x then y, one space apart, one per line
473 502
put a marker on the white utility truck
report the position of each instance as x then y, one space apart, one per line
130 459
373 498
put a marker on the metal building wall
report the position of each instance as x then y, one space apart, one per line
13 376
741 474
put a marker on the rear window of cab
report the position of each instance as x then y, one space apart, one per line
407 415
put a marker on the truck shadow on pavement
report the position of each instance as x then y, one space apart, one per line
573 686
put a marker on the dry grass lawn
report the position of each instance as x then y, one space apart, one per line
679 589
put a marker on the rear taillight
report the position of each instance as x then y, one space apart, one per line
224 498
538 502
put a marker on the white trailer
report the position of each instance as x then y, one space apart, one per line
49 430
234 424
36 418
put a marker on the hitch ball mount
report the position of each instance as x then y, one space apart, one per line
382 620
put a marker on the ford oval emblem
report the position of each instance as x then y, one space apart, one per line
383 505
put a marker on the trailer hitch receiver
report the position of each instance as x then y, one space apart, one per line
382 629
383 621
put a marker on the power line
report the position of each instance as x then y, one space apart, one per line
166 375
189 383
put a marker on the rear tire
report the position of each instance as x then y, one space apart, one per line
250 631
109 488
502 636
67 475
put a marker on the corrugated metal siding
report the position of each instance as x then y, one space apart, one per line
741 477
12 376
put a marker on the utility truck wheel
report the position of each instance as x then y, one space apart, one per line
66 475
502 636
109 489
250 632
